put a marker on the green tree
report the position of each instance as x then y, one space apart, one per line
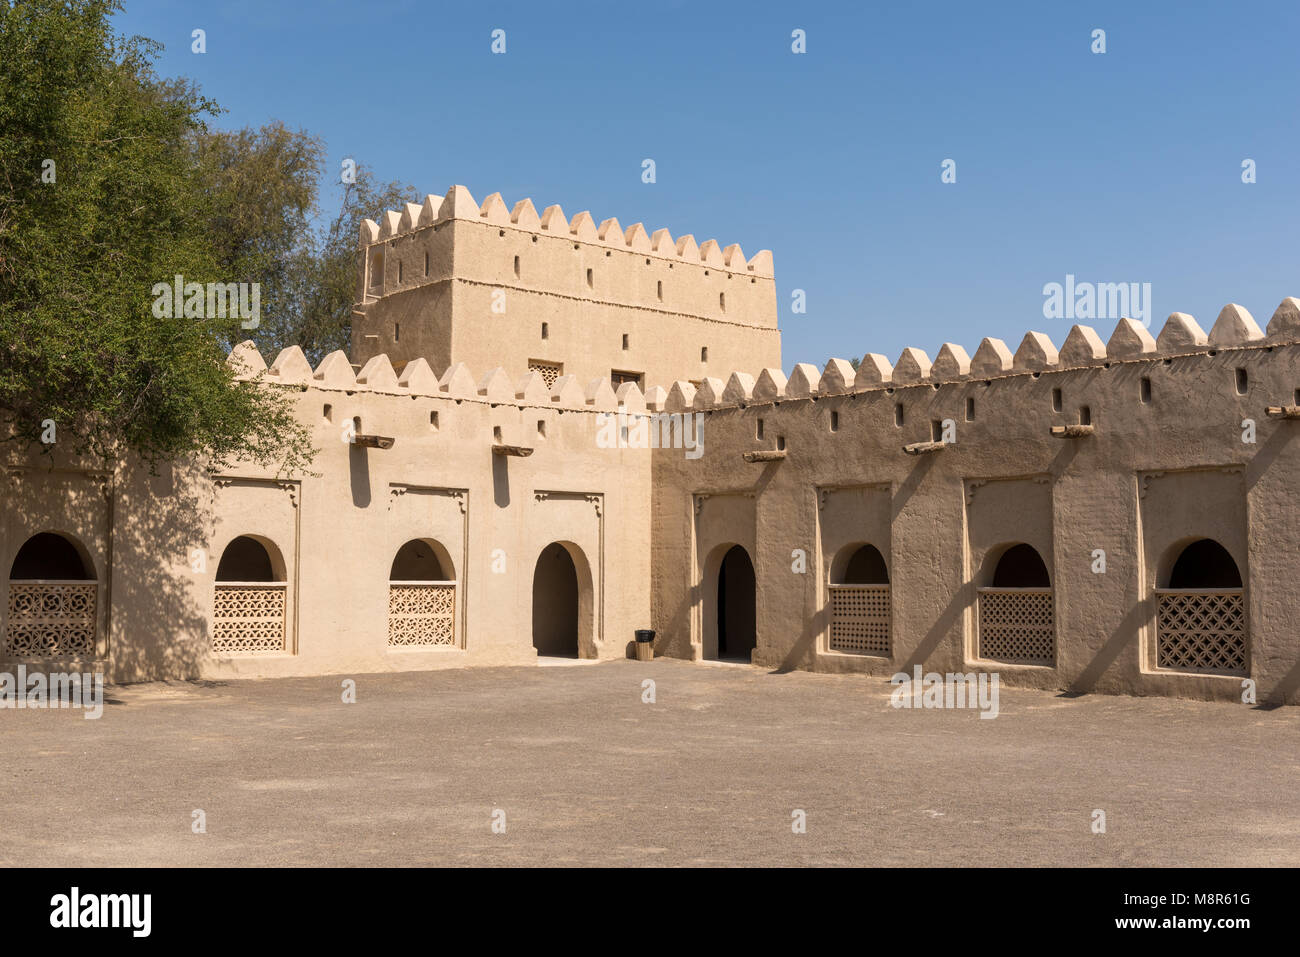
100 200
265 186
330 286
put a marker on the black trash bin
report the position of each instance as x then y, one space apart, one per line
645 648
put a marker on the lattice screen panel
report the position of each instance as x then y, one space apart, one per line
860 619
248 618
548 370
51 619
421 615
1202 631
1017 625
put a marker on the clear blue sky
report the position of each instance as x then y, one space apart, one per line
1115 167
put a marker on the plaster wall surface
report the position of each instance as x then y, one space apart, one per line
472 285
1164 465
1101 460
333 536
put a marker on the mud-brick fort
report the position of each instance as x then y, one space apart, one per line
1108 515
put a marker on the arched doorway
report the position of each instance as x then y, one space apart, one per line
52 599
249 598
1201 611
736 606
860 602
421 596
562 603
1016 616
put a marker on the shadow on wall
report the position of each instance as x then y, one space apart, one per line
359 474
500 481
1123 639
158 628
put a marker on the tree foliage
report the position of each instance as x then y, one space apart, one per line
329 284
267 227
101 199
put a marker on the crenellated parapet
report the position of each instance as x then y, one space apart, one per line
1082 348
455 280
1182 335
459 204
335 373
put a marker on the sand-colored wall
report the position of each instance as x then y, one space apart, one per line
1162 463
156 542
1155 475
493 279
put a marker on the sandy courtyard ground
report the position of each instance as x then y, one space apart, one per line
585 772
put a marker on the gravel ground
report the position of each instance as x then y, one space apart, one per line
585 772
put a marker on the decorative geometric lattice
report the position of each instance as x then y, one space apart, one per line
421 614
1017 625
1201 631
549 371
51 619
248 618
860 619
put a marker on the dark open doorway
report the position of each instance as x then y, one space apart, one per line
555 603
737 634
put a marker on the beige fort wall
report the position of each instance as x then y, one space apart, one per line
455 281
1161 469
941 466
333 536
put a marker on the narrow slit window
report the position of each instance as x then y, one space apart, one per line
516 267
433 421
704 353
1085 415
722 301
399 270
1056 400
835 421
591 283
546 331
1242 382
660 290
758 429
541 428
898 414
970 408
426 263
780 443
397 332
1145 392
936 430
625 340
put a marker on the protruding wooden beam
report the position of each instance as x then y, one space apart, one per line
518 450
1073 431
1283 411
373 441
764 456
921 448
